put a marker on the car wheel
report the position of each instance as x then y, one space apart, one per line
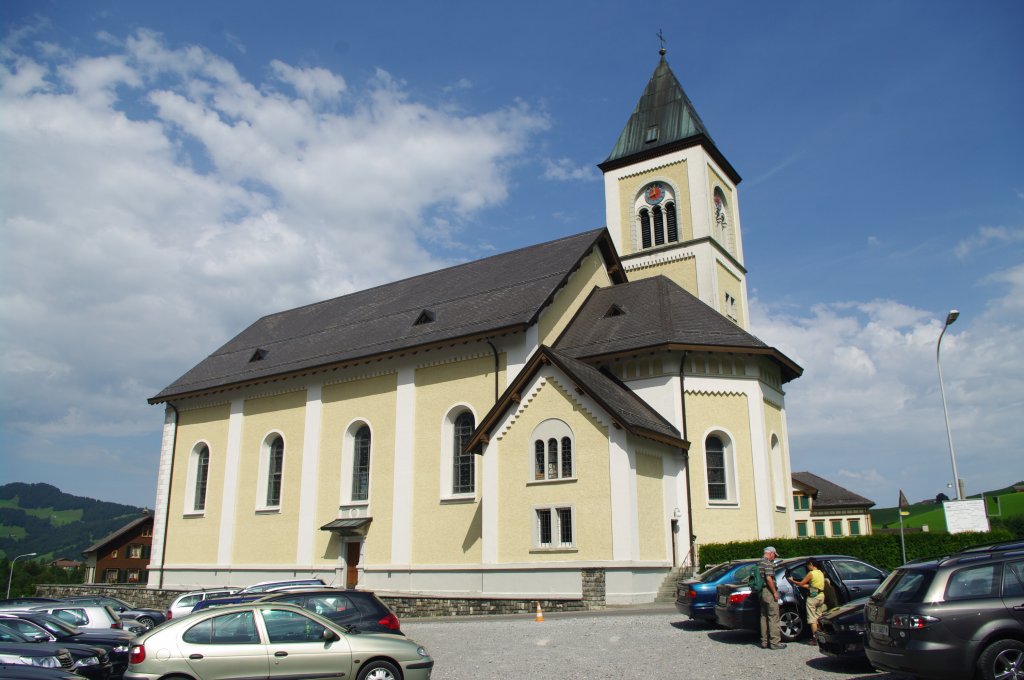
379 670
791 625
1002 659
146 621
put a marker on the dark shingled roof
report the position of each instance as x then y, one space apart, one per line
830 495
506 291
656 313
622 404
663 106
123 530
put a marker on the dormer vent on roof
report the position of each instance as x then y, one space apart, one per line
614 310
258 355
426 316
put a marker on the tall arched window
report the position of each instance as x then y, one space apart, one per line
553 451
718 465
361 464
202 471
463 463
657 221
275 470
778 473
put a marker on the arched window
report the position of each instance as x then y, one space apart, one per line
275 470
778 473
553 451
202 471
361 464
463 463
657 221
718 462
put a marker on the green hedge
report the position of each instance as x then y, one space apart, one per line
882 550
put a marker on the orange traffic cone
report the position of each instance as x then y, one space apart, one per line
540 613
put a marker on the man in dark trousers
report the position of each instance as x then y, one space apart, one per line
771 636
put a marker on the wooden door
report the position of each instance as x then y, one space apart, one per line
352 550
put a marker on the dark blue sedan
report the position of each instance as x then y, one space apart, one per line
695 597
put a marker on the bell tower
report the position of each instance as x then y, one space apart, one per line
671 204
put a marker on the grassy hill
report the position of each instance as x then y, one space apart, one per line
1001 505
41 518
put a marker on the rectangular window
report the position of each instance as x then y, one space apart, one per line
135 551
796 502
801 529
134 575
555 528
819 527
855 527
837 527
716 476
110 575
805 502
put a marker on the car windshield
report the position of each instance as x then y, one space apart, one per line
904 585
715 572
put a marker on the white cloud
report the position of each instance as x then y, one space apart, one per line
564 170
986 236
162 202
867 412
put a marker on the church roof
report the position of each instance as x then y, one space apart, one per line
664 120
626 409
657 314
829 495
501 293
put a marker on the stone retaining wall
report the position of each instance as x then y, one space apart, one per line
404 606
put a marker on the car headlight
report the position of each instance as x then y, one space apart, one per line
41 661
87 661
422 652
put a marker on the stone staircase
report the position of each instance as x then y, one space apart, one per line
667 591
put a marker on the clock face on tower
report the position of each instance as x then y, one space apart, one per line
655 193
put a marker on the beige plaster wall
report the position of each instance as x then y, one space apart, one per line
683 272
650 493
371 400
589 493
556 316
269 537
194 539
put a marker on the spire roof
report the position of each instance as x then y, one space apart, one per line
664 120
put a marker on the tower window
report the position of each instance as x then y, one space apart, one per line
651 135
657 221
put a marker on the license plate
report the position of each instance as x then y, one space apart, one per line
722 599
880 629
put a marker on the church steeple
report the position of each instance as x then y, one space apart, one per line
671 199
663 116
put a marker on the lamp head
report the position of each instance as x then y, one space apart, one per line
952 316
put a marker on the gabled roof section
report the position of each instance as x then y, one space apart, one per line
658 315
127 528
831 495
502 293
664 120
622 405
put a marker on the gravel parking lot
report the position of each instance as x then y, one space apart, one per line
650 643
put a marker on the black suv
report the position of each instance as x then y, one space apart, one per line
360 609
960 616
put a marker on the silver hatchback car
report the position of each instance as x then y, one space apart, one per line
271 639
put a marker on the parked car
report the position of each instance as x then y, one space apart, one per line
88 661
34 654
848 579
241 640
841 631
144 615
183 604
116 642
84 615
959 616
19 672
360 609
695 597
256 591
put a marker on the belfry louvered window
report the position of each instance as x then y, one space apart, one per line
657 221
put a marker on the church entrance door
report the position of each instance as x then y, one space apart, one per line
352 550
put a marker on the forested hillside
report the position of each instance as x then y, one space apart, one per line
41 518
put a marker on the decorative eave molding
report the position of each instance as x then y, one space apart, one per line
654 168
542 381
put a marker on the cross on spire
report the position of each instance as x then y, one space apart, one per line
661 38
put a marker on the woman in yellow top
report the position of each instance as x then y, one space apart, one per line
814 582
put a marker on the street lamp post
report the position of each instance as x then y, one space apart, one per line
950 318
11 575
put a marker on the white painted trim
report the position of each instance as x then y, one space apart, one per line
310 474
405 427
229 496
621 473
490 500
763 496
163 494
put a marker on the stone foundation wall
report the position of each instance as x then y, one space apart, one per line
405 607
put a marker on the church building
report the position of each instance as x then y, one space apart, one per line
505 428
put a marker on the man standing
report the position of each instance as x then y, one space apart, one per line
771 636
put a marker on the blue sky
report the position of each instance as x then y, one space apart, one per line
173 171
